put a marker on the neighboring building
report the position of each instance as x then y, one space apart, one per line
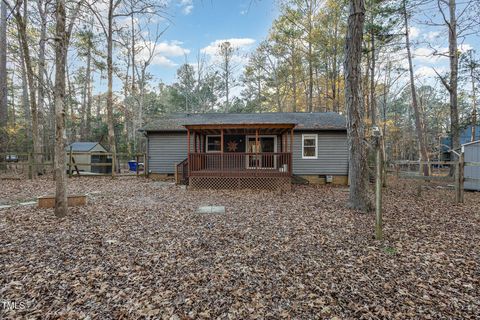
465 137
472 173
248 150
86 154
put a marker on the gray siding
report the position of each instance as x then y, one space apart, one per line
332 154
166 149
472 154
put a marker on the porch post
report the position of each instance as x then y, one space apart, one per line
291 150
188 151
256 148
195 141
221 147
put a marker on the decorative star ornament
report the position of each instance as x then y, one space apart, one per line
232 146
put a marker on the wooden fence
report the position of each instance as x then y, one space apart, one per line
440 171
118 164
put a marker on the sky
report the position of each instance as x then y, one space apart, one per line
197 26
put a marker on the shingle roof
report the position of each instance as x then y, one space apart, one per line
82 146
302 120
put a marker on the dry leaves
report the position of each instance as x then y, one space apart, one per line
139 250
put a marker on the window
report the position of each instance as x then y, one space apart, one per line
309 146
214 143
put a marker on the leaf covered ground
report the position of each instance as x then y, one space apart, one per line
139 250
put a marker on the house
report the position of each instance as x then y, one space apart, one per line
86 154
472 173
465 137
248 150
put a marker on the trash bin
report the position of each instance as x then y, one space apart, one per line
132 165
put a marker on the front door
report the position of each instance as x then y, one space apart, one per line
267 145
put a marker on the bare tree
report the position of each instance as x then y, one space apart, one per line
454 31
149 45
59 94
226 52
21 20
358 170
472 65
117 9
416 109
3 76
62 40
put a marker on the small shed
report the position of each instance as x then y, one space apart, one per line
86 154
472 173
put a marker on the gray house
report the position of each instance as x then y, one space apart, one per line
248 150
472 173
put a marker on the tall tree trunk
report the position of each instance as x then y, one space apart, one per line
418 122
358 170
41 68
310 57
59 92
294 82
110 119
335 97
373 101
3 77
453 55
36 136
25 97
86 95
472 66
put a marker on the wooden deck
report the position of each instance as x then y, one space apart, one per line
275 164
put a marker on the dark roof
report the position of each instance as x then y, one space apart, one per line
82 146
302 120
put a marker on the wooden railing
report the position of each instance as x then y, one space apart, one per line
181 172
267 164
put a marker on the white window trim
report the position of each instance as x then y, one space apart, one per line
309 136
206 143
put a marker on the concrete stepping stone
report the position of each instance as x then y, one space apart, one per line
211 209
29 203
5 206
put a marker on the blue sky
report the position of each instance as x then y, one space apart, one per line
197 26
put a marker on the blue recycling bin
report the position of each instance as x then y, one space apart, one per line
132 165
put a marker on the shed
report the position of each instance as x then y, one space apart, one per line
86 154
472 173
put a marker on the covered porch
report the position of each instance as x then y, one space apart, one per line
239 155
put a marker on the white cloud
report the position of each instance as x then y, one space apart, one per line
464 47
414 32
163 61
187 9
171 49
238 43
425 71
187 6
432 35
163 52
429 55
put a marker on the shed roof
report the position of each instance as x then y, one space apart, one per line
469 143
302 120
83 146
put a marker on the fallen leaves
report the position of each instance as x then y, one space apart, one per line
139 250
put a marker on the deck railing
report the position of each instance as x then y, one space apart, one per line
267 164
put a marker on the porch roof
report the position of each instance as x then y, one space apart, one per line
300 120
